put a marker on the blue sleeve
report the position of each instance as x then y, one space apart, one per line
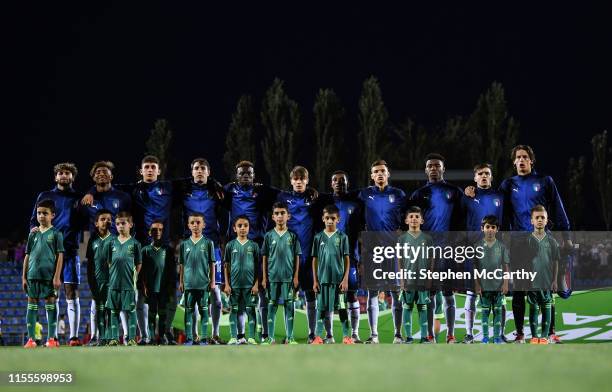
556 204
506 205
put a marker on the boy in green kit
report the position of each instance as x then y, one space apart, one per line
42 267
98 273
241 260
330 268
196 276
545 264
492 290
280 262
124 261
414 290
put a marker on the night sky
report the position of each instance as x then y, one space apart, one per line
84 84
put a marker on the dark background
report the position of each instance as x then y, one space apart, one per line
86 82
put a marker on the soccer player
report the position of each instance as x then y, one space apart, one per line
486 201
241 265
440 202
521 193
414 289
157 265
301 221
330 268
105 196
69 221
280 264
98 274
197 276
492 290
545 264
124 258
196 196
42 267
383 205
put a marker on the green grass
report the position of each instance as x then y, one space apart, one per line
329 367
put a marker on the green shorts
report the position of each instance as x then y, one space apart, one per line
196 297
121 300
280 290
40 289
540 297
408 298
242 299
490 299
100 292
330 298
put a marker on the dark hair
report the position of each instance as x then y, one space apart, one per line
156 221
523 147
66 166
239 217
107 164
340 172
244 164
434 155
481 166
149 159
491 220
124 214
414 210
196 214
46 203
202 161
379 162
331 209
280 204
537 208
299 172
101 212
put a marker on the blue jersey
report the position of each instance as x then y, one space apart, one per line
151 201
485 202
301 222
252 201
68 216
522 193
198 198
440 202
113 200
383 209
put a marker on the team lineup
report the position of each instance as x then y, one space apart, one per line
263 247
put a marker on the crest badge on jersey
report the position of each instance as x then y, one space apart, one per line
159 191
536 187
496 202
350 211
115 203
448 195
391 198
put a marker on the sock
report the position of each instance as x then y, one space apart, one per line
311 314
373 312
344 321
518 310
31 319
327 323
124 322
396 305
241 322
263 306
496 322
251 313
142 314
215 311
430 315
100 316
551 330
485 321
77 316
57 310
114 334
93 320
449 313
233 320
71 310
189 323
203 322
533 320
272 309
423 319
51 320
354 308
289 315
470 312
546 313
132 325
319 324
503 319
407 320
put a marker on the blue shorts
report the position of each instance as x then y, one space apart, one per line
305 274
219 278
71 269
353 279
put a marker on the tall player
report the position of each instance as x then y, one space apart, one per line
440 202
69 222
383 205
